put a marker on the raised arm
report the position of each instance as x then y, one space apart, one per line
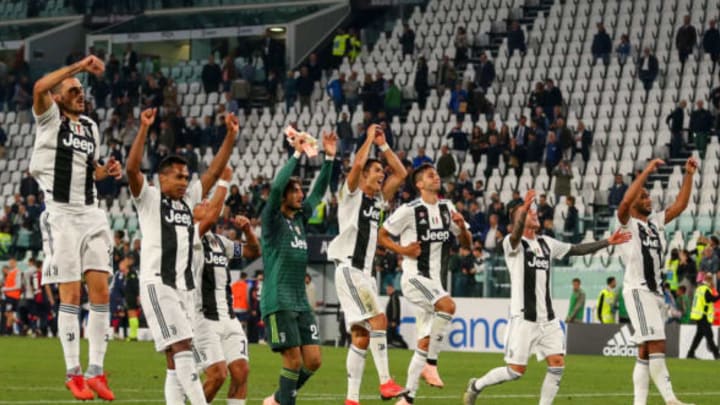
281 179
392 183
111 168
329 141
520 216
634 190
134 160
361 157
213 173
681 202
616 238
251 249
216 203
41 91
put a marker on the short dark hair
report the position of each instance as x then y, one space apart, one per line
291 184
370 162
576 280
169 161
610 279
419 171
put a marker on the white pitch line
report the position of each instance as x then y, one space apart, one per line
319 397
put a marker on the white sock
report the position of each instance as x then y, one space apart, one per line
231 401
440 322
551 385
495 376
661 376
355 367
98 332
641 382
417 363
378 347
69 334
173 390
189 378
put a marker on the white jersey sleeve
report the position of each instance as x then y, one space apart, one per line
50 118
148 198
558 249
232 249
399 220
508 249
345 192
193 195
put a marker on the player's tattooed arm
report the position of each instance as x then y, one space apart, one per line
616 238
49 83
683 198
251 249
520 217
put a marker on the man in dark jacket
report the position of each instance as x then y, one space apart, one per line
676 123
686 39
647 69
601 45
407 40
552 98
617 192
211 76
711 41
392 311
421 82
583 141
460 143
701 123
485 73
516 39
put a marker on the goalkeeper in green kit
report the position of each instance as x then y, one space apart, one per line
290 325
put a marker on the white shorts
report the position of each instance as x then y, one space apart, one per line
357 293
166 312
221 340
424 293
74 244
645 310
523 338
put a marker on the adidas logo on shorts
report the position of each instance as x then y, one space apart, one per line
621 344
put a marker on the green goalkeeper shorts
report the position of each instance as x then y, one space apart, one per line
286 329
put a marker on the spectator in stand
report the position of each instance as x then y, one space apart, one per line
616 192
494 151
422 87
3 139
544 210
710 263
305 86
552 99
648 69
290 90
542 123
421 158
516 39
686 39
458 100
493 234
229 72
231 105
335 91
461 48
601 45
211 76
446 75
28 185
393 100
485 73
351 88
130 60
241 90
314 68
446 166
583 142
370 96
537 97
271 86
711 42
572 220
676 121
515 201
563 175
345 134
623 49
567 141
534 151
553 153
407 40
460 142
701 125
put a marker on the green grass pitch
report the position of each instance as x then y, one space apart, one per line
31 372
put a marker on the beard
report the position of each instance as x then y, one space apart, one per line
643 211
68 108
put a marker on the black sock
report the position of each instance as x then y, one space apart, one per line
305 375
288 387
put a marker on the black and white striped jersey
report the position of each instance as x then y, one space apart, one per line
213 297
432 226
529 266
643 254
168 235
358 218
63 160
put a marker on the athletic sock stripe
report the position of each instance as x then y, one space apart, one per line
642 362
289 374
158 313
657 356
421 353
353 291
100 307
555 370
377 334
70 309
359 352
444 315
417 284
641 313
183 355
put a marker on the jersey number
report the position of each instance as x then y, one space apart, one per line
315 332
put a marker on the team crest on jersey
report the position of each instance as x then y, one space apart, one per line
446 217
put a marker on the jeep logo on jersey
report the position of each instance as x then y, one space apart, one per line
539 263
216 260
75 142
372 213
178 218
299 244
435 236
651 242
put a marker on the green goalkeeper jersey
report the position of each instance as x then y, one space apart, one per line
284 245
